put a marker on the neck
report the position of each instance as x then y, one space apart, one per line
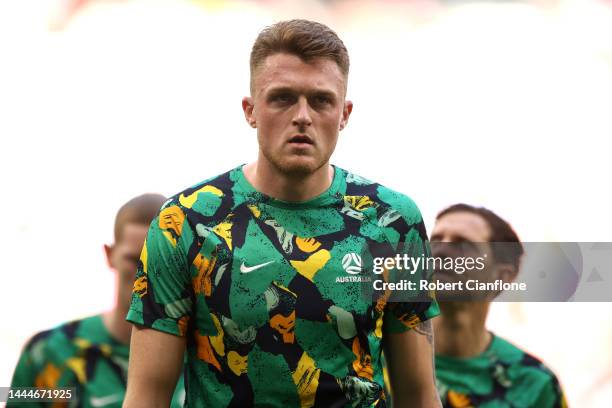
269 181
117 326
460 330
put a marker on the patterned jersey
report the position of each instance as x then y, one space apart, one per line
258 287
80 354
502 376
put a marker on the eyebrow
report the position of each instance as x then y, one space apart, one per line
287 89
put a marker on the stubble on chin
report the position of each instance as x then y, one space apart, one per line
292 167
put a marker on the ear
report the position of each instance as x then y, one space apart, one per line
108 253
506 272
346 112
248 107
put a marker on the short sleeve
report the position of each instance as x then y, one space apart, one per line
24 371
35 361
40 366
25 375
162 297
403 314
551 395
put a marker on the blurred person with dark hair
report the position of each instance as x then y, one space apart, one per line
474 367
91 354
246 270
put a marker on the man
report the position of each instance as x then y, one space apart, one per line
474 367
245 269
91 354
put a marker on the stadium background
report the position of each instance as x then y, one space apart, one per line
503 104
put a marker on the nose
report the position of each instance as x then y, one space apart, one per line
443 248
302 113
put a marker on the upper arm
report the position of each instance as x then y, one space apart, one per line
162 294
161 306
409 357
156 360
407 330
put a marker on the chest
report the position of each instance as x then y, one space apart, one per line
275 267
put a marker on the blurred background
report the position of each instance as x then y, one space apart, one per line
504 104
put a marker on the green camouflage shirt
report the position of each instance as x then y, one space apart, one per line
503 376
80 354
259 288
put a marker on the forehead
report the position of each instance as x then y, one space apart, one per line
133 234
287 70
463 225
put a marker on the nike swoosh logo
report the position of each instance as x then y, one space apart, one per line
247 269
102 401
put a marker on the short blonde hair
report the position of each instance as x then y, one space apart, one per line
306 39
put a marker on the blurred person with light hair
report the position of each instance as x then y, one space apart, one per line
474 367
91 354
248 270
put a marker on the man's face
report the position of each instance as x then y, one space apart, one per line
462 234
461 226
298 109
123 257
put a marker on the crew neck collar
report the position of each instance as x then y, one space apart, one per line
332 194
483 356
95 331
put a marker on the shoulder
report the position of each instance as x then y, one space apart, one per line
54 344
48 358
208 198
510 353
38 341
390 203
525 367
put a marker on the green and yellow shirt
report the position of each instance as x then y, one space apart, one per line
79 354
503 376
260 289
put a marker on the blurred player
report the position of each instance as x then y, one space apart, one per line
474 367
246 269
91 354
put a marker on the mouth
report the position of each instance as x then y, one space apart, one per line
301 140
445 273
